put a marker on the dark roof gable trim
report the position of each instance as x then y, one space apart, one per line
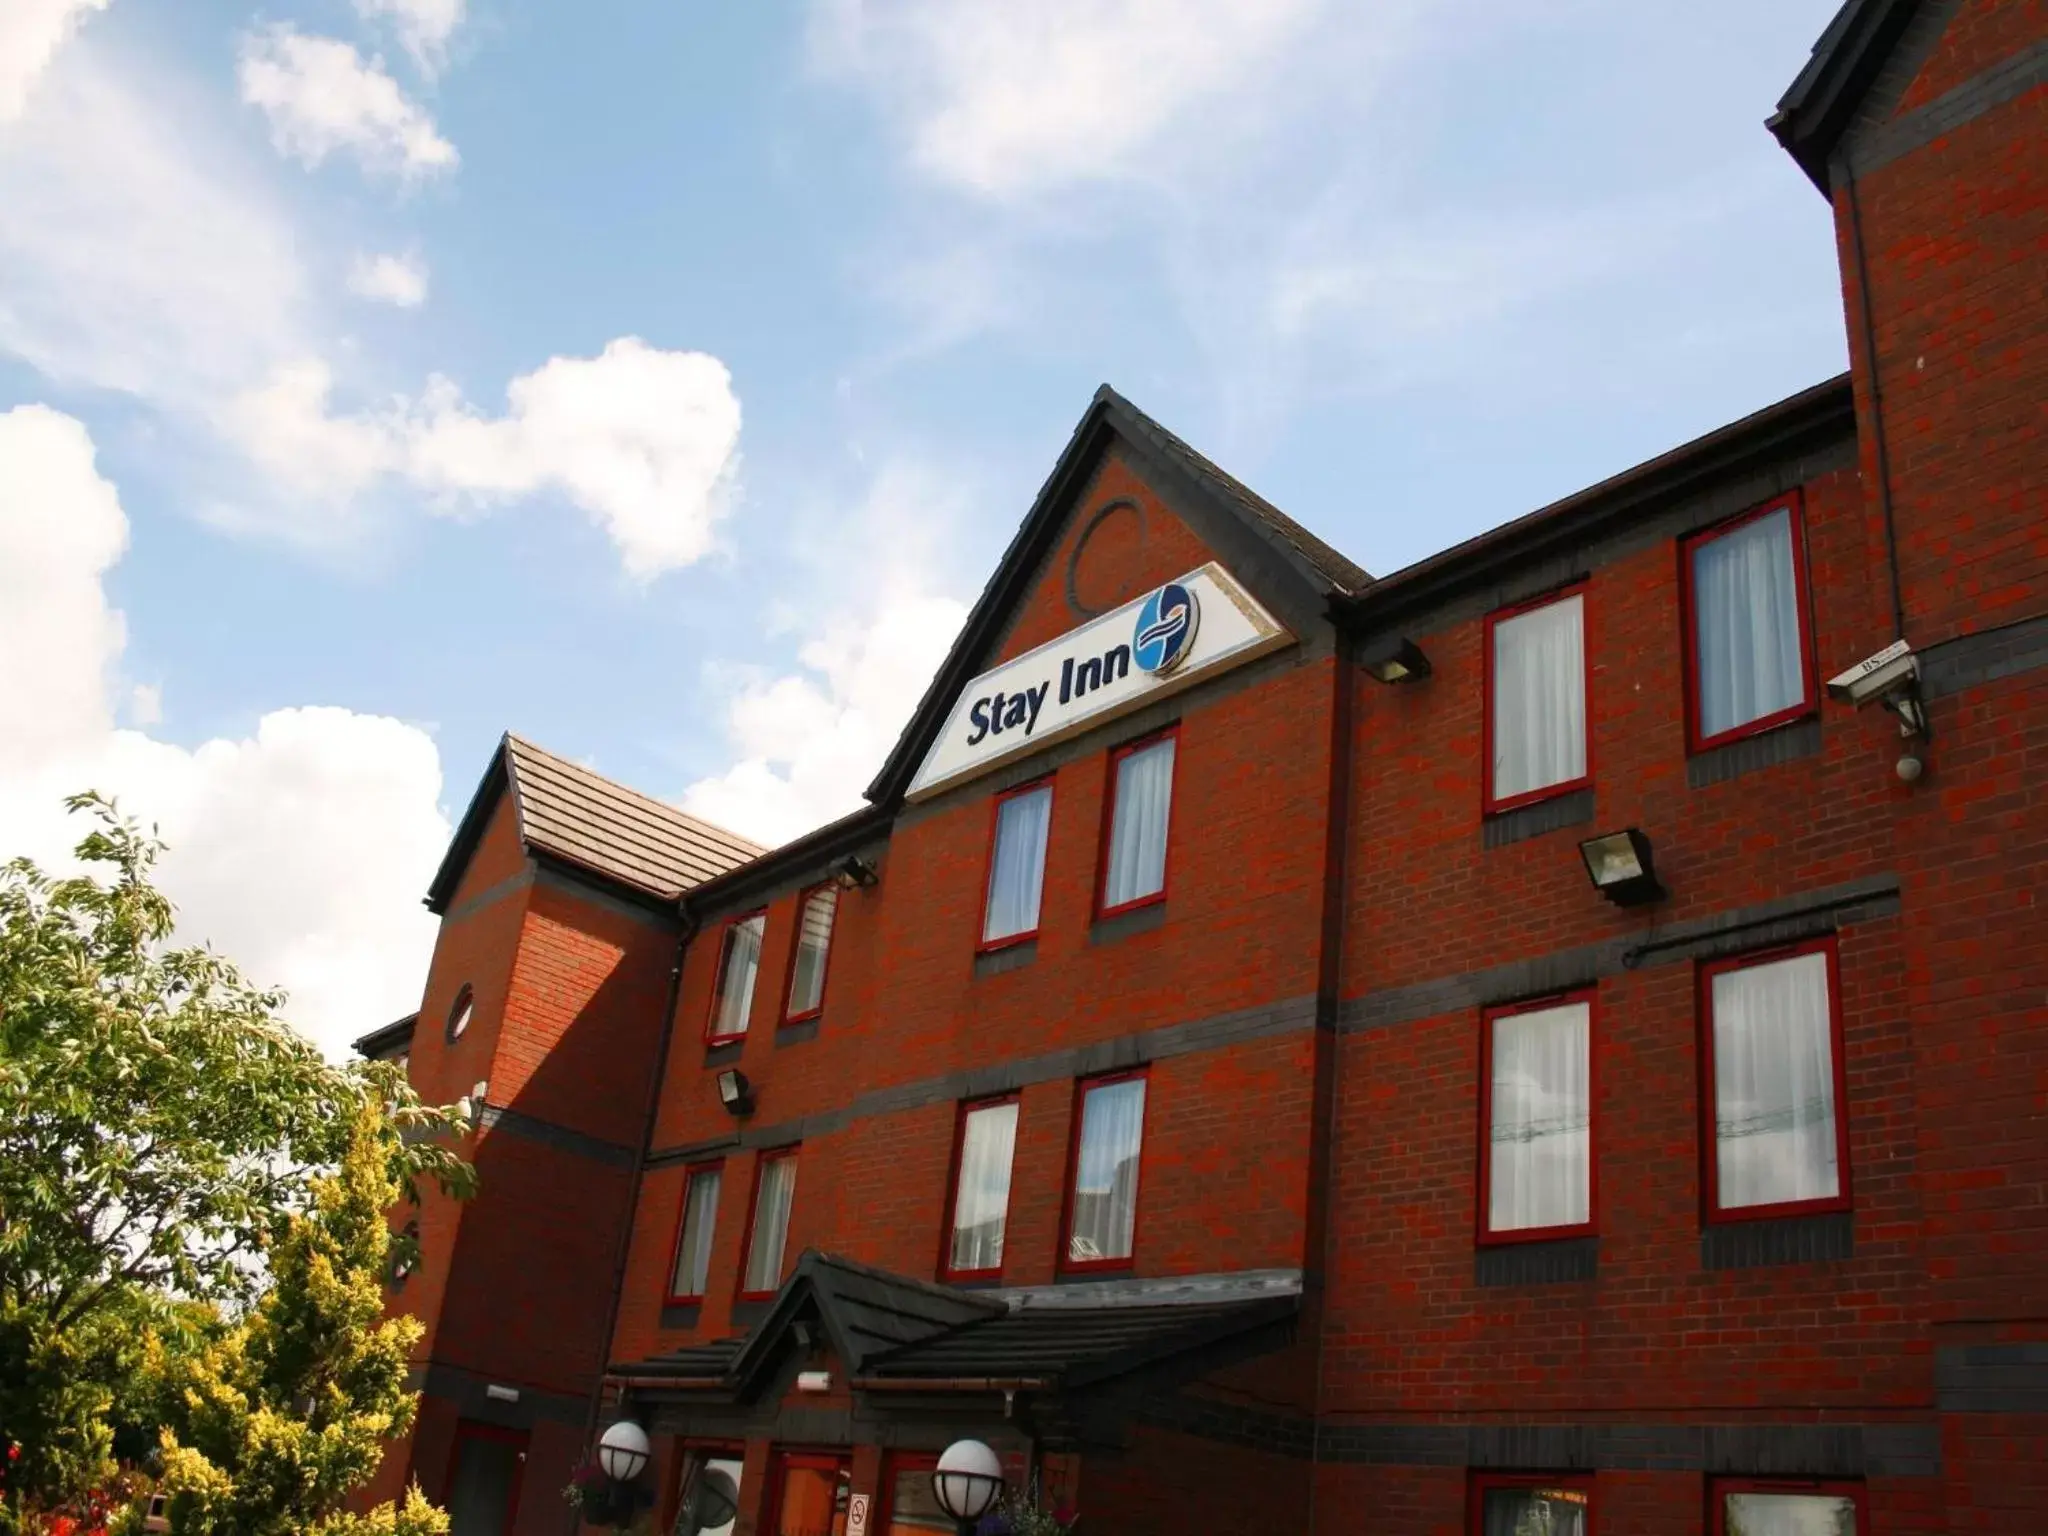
1282 562
1820 106
379 1043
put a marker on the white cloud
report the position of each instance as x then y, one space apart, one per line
806 743
322 98
645 441
389 279
809 742
135 253
1014 98
424 26
300 851
31 32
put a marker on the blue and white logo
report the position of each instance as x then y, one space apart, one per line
1166 629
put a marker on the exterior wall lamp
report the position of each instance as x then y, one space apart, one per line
966 1481
735 1092
623 1451
1396 659
1620 867
854 872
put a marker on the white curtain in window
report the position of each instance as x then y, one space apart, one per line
700 1219
1534 1512
742 964
1791 1514
771 1224
1539 698
1137 829
1774 1083
1106 1173
1016 874
813 943
981 1203
1540 1142
1746 607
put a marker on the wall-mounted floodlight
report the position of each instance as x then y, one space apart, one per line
1620 867
1396 659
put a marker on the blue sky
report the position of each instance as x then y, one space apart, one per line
798 303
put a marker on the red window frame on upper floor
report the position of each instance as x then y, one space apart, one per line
1487 1018
732 925
796 941
1046 782
1710 1162
1485 1482
1491 804
1696 740
696 1171
1068 1265
968 1107
1718 1489
773 1155
1109 804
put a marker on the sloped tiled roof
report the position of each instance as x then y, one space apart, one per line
567 812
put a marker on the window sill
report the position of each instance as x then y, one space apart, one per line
749 1310
1547 1261
1011 957
1571 809
723 1053
796 1033
1746 754
1118 925
680 1314
1077 1274
1819 1238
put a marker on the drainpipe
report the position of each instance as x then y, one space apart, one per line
686 932
1866 314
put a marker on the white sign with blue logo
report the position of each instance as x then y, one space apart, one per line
1167 639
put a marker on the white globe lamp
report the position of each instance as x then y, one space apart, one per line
966 1481
623 1451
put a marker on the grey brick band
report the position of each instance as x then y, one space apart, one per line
2005 81
512 1122
1771 922
1246 1024
1969 661
1992 1378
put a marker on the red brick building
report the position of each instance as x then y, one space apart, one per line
1500 1047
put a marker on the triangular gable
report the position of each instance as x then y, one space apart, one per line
1288 573
864 1313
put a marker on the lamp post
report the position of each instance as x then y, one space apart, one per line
966 1481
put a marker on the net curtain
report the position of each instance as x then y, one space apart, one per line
1137 833
1539 698
1746 601
1774 1083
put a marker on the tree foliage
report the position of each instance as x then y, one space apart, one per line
171 1158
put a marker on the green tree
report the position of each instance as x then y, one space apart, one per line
161 1131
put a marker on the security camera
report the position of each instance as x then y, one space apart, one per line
1877 677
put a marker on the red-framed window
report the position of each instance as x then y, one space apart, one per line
1747 618
1137 818
696 1226
1538 1157
1539 680
1743 1506
701 1460
807 1491
907 1505
1775 1125
739 969
1020 825
810 953
1100 1227
978 1189
1511 1503
486 1465
768 1224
